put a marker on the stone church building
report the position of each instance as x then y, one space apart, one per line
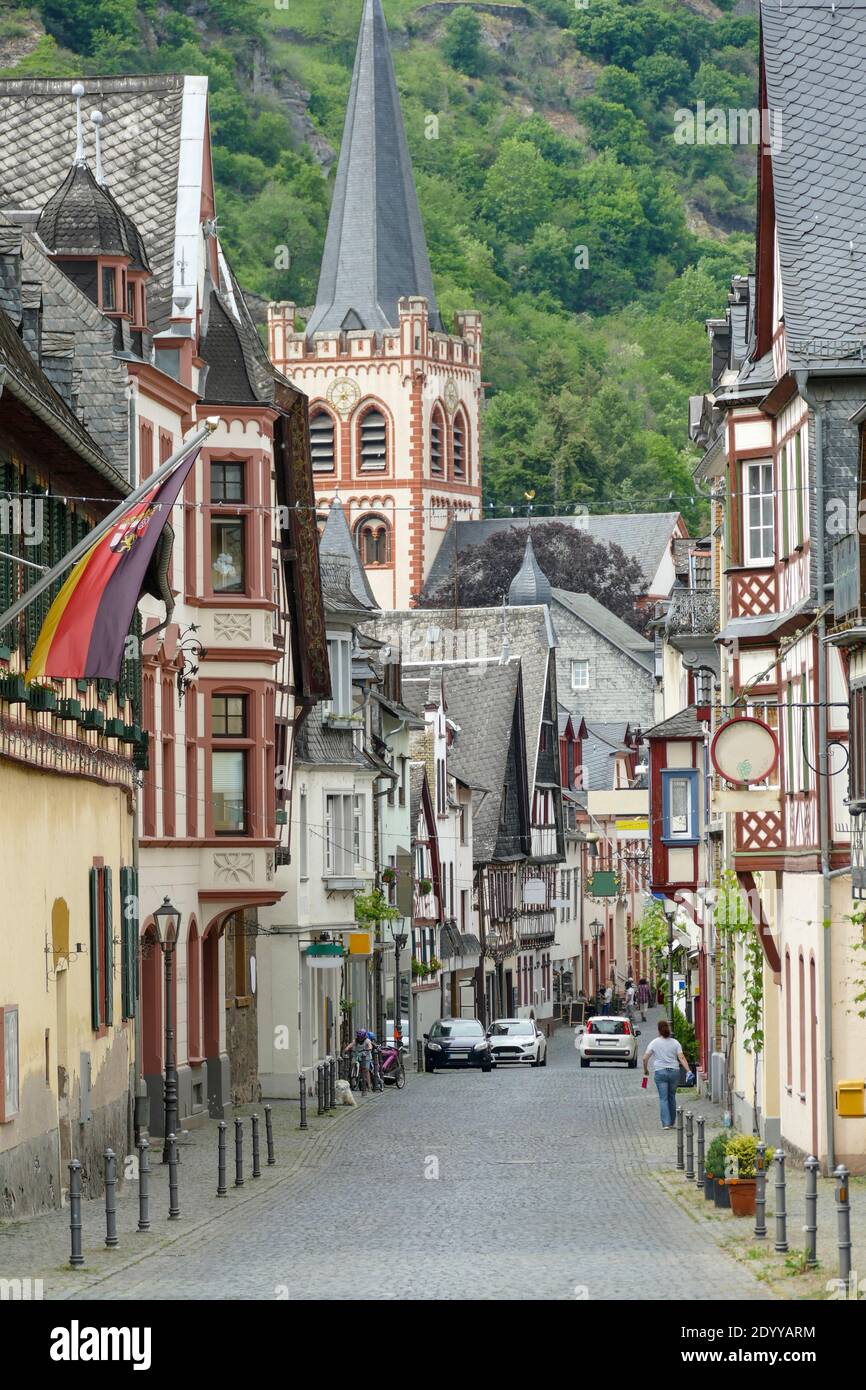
395 399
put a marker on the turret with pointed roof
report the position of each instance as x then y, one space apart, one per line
375 251
530 584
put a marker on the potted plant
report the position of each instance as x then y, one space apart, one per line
435 964
420 969
740 1166
389 875
714 1167
425 886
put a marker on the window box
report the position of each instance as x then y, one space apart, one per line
680 806
334 883
114 728
5 652
343 721
69 708
282 817
13 690
131 733
141 753
82 686
93 719
42 698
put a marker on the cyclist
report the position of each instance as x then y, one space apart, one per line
362 1054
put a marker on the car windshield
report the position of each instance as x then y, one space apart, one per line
457 1028
616 1026
522 1028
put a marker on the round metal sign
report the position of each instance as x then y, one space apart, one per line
744 751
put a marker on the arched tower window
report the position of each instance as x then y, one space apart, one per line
374 442
373 536
322 444
460 447
437 443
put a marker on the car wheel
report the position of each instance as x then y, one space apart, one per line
429 1067
584 1062
543 1062
633 1062
488 1066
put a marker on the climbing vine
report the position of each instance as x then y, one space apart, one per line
858 950
734 925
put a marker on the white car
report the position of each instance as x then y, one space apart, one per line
608 1038
517 1040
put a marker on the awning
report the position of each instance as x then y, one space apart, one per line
768 624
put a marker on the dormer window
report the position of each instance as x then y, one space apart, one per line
109 289
130 299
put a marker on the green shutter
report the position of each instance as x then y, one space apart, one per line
109 947
129 939
95 1012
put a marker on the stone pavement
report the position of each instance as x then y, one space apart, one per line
545 1183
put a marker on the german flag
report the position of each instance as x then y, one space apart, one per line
86 628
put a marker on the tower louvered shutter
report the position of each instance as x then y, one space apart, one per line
95 964
373 442
322 442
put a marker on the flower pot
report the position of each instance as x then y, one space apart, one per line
742 1195
709 1186
720 1194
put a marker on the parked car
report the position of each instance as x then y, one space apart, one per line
608 1038
518 1040
457 1042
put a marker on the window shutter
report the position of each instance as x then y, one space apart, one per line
322 442
109 947
373 442
129 940
95 972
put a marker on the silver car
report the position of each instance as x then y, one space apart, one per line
607 1038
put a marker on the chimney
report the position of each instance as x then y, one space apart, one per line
31 318
58 358
10 272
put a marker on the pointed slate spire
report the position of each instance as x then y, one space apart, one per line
337 540
530 584
375 251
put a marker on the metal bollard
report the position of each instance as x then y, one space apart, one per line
269 1135
257 1160
110 1198
332 1081
320 1090
761 1191
75 1257
419 1055
781 1214
173 1203
239 1153
143 1186
302 1098
221 1191
843 1215
699 1176
680 1164
690 1146
812 1167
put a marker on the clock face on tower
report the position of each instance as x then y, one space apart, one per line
452 396
343 394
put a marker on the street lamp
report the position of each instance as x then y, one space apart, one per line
596 928
400 941
166 920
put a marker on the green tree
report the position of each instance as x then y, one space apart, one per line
516 191
462 42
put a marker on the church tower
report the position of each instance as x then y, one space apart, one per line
395 400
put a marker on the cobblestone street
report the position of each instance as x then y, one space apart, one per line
545 1189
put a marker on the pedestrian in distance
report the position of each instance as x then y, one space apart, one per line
643 997
667 1057
607 996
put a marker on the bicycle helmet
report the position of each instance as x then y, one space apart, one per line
361 1035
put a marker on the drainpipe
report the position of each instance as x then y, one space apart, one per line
817 407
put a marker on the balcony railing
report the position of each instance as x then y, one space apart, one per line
693 611
847 590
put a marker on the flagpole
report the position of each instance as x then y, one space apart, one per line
100 529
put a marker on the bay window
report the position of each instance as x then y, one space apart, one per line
227 531
340 661
679 805
229 771
758 513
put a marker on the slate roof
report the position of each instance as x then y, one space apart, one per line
337 539
684 724
644 536
530 584
141 149
477 641
317 742
814 56
599 750
480 699
227 380
81 219
608 625
375 250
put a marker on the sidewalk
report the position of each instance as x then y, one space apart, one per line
782 1272
38 1247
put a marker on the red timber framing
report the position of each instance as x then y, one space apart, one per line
746 881
661 874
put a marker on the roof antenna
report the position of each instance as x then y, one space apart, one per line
96 117
79 160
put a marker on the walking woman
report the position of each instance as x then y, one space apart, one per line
667 1058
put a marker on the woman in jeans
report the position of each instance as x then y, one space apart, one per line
667 1058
